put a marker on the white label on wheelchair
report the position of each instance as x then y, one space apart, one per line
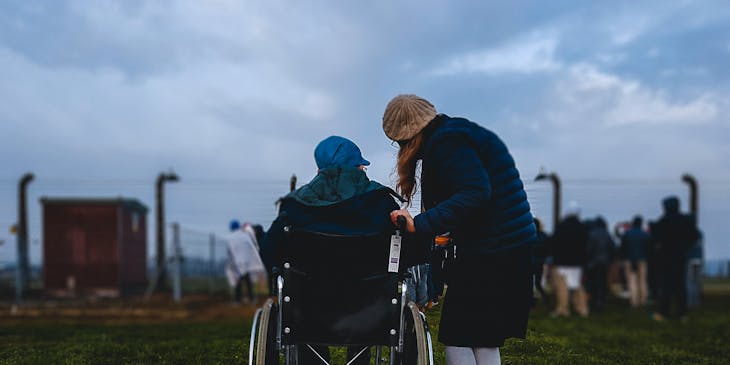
394 260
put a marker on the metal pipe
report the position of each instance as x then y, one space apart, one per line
22 279
211 263
293 183
176 262
556 194
279 293
693 193
160 212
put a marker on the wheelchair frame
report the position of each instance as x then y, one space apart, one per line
260 337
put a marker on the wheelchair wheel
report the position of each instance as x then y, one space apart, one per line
263 336
418 349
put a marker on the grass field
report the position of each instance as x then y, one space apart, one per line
617 336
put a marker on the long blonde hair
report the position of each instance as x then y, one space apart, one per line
408 156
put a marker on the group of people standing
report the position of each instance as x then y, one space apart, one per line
650 262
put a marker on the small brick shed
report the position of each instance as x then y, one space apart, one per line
94 246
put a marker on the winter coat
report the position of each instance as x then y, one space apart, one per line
634 245
600 247
243 256
472 189
339 200
675 234
539 251
568 243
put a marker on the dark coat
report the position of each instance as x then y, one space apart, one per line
569 243
635 244
600 248
337 201
538 251
675 234
472 189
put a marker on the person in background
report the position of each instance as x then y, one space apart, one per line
599 254
634 245
472 189
539 255
694 273
417 283
568 249
263 285
244 262
675 233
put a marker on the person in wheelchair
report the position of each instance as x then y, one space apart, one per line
339 200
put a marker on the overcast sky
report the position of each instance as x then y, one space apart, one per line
98 97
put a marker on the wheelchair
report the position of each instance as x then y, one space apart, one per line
335 290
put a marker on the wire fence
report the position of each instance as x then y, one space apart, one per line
204 206
203 261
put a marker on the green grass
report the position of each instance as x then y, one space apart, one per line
617 336
625 336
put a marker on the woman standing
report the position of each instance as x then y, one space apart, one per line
472 190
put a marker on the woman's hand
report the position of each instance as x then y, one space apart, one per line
410 227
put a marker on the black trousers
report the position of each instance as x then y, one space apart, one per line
674 288
597 286
244 280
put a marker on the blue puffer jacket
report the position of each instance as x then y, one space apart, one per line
472 189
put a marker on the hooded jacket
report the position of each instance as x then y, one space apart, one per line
339 200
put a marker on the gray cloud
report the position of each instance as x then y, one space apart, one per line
244 90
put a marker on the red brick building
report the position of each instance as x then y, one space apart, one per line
94 246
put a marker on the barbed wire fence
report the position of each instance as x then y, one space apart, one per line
204 252
203 261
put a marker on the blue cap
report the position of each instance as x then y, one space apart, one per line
234 225
338 151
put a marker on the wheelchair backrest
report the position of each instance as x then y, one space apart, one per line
323 254
337 289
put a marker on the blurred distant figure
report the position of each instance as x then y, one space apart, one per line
634 245
539 255
599 254
653 268
568 248
417 285
244 263
694 273
675 234
262 280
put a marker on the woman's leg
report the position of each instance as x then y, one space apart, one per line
460 356
487 355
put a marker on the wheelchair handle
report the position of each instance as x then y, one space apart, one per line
401 220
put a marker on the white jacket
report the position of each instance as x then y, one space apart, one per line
243 256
